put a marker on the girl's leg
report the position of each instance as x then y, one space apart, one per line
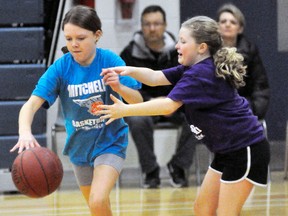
206 202
104 179
86 192
84 176
232 197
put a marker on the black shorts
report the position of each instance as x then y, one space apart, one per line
249 163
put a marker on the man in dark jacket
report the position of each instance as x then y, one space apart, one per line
154 47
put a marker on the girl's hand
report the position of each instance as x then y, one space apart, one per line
111 78
123 71
25 142
112 112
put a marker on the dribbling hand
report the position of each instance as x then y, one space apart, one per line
25 142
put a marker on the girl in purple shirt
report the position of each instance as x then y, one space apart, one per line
206 85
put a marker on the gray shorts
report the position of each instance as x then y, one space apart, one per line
84 174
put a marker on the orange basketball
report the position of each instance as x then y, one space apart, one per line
37 172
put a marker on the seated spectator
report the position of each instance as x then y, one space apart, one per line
154 47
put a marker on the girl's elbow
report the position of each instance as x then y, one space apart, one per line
172 106
140 98
169 111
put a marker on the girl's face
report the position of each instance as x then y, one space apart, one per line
229 26
81 43
187 48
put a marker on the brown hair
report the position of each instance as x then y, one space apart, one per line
84 17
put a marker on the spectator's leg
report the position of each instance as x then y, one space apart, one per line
141 128
183 157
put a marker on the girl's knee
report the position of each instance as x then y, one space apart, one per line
99 204
203 209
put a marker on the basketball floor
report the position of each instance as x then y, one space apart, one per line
130 200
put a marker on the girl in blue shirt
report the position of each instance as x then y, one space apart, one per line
97 151
206 85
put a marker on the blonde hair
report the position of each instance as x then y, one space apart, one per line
229 66
229 63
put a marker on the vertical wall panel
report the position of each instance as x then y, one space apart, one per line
282 23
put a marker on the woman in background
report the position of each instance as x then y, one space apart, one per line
256 90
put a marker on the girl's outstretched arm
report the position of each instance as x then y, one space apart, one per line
159 106
145 75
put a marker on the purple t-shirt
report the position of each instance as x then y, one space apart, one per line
216 113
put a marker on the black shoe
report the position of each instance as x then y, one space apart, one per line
152 179
178 179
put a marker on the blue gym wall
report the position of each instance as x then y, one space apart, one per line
261 18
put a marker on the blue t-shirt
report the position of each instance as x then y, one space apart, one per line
81 89
216 113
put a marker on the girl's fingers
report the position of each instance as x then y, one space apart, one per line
14 148
113 98
20 149
117 70
109 121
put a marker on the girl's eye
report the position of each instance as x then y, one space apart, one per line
80 38
180 41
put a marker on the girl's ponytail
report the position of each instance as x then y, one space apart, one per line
230 66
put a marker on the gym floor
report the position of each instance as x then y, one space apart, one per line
129 199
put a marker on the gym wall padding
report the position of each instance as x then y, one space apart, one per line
9 111
21 12
18 80
21 44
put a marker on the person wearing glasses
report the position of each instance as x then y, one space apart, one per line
154 47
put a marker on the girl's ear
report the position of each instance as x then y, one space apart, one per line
97 35
203 47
